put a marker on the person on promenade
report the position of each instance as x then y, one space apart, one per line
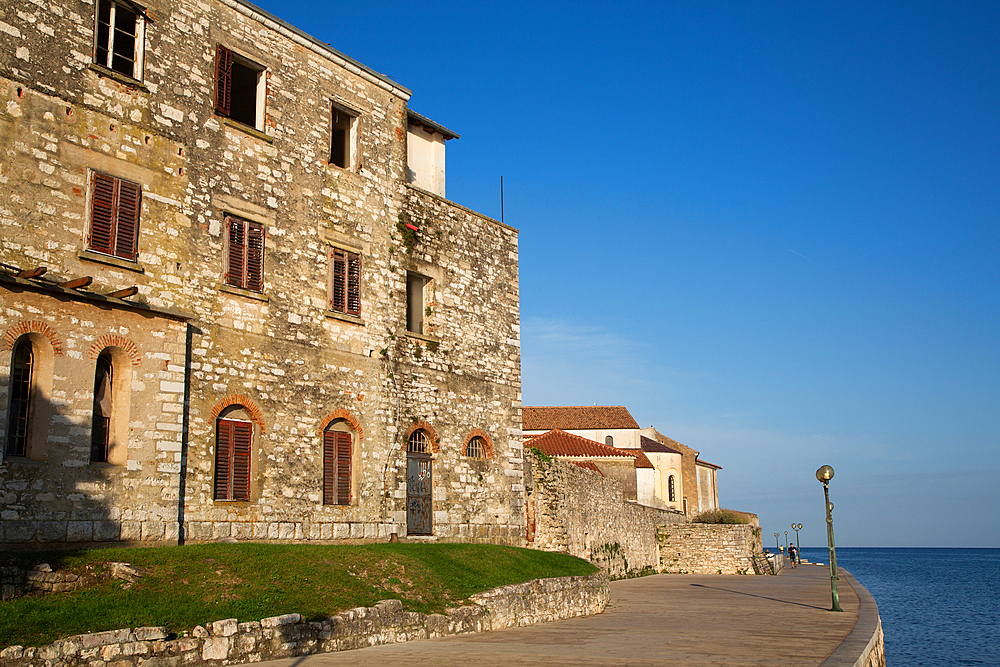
793 553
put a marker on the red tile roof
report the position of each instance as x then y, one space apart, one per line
642 462
576 417
654 447
561 443
589 465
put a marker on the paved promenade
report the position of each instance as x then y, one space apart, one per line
697 620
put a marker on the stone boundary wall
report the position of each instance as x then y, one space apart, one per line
577 511
229 642
708 548
865 646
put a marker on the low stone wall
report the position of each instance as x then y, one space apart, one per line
229 642
865 646
577 511
708 548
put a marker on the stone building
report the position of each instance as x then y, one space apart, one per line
234 301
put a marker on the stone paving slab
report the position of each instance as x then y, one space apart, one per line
697 620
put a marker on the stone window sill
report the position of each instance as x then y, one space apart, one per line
118 76
252 131
344 317
423 337
257 296
111 260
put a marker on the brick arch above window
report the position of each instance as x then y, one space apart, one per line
426 428
114 340
256 416
347 417
33 326
488 442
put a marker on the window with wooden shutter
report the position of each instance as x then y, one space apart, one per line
114 216
345 282
336 468
233 442
244 254
239 88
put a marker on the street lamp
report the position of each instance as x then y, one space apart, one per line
798 550
777 550
786 541
824 475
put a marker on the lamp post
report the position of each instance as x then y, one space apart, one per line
776 549
786 541
798 550
824 475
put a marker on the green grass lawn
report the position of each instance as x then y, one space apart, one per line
194 585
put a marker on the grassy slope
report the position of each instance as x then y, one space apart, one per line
194 585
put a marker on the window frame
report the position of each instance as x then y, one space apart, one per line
100 439
25 388
139 48
671 489
115 209
241 258
231 481
344 282
225 59
418 442
416 299
476 442
350 143
338 453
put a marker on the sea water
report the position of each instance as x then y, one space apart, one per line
938 606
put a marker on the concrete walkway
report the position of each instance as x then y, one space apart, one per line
659 620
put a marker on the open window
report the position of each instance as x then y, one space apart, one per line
114 216
110 414
240 88
119 32
343 136
416 286
30 397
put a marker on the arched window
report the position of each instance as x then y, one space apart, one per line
476 449
233 442
21 375
337 455
418 442
609 441
671 490
100 436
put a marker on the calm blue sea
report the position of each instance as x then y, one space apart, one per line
938 606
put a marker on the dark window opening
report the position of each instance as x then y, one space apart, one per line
237 88
336 468
232 459
341 125
417 443
20 399
476 449
245 254
100 436
671 491
118 38
345 282
114 216
609 441
415 302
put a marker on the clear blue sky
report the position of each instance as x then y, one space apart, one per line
772 230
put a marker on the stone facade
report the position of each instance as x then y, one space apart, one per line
578 511
230 642
193 347
708 548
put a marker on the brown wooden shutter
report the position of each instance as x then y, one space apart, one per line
338 297
329 468
127 228
223 456
235 254
255 257
223 79
242 438
353 284
343 468
103 201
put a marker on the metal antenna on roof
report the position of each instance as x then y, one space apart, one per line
501 199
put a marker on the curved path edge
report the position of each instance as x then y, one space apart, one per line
865 645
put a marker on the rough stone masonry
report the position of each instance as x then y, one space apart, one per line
251 184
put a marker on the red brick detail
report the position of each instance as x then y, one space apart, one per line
32 326
486 438
114 340
427 428
256 416
347 417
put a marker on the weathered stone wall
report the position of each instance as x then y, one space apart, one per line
708 548
577 511
279 358
230 642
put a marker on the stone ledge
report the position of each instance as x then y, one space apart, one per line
228 642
